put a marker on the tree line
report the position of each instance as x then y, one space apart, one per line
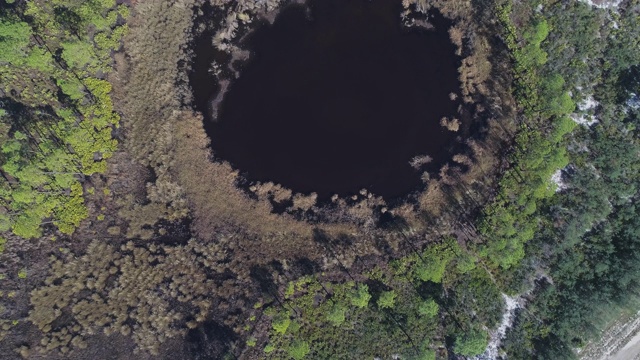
583 238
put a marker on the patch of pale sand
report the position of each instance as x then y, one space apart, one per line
492 352
556 178
603 4
620 341
634 101
630 351
586 108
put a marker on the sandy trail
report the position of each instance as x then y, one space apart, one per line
630 351
621 341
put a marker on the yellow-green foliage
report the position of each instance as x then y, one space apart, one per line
50 151
269 348
387 300
510 221
281 323
251 342
15 36
428 308
337 315
359 297
338 320
299 349
430 265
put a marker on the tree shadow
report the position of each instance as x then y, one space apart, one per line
320 236
306 266
209 341
263 277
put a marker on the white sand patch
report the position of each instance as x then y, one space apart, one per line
620 341
632 343
491 353
586 108
634 101
603 4
556 178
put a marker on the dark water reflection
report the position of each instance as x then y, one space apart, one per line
337 99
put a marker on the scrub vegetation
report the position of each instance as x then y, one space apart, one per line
122 232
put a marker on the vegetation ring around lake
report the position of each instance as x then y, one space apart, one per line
311 127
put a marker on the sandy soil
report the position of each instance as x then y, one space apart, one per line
621 341
630 351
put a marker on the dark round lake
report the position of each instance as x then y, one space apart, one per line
336 97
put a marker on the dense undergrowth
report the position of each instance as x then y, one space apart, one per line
425 283
585 241
539 150
391 309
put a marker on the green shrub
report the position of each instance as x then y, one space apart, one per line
387 299
291 289
360 297
426 355
472 343
337 315
269 348
428 308
281 323
299 349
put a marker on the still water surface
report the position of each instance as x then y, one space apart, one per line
335 99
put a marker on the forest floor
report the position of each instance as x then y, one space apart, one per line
620 341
